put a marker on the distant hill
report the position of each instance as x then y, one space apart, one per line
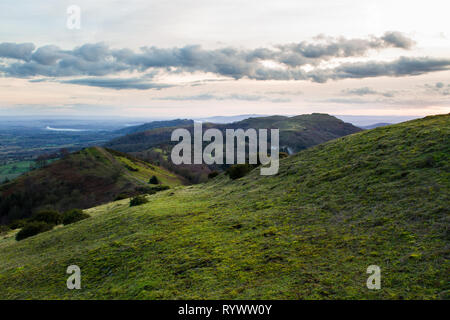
361 121
80 180
296 133
229 119
378 197
376 125
154 125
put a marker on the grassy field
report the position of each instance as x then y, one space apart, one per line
376 197
14 169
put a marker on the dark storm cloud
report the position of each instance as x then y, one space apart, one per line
100 60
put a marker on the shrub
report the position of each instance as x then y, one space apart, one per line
151 189
158 188
131 168
213 174
16 224
48 216
33 228
239 170
138 200
73 215
154 180
121 196
4 229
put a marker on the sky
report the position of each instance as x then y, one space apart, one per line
202 58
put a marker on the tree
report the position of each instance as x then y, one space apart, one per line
48 216
154 180
138 200
32 228
41 161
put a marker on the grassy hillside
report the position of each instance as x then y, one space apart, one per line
296 133
82 179
376 197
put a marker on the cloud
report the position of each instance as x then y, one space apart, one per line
118 84
401 67
438 88
368 91
21 51
359 91
304 52
398 40
286 92
233 96
408 102
99 60
111 83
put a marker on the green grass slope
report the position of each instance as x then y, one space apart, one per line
376 197
83 179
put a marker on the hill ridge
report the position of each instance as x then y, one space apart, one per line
377 197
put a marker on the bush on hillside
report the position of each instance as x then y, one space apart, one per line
73 215
121 196
131 168
151 189
239 170
48 216
16 224
213 174
33 228
138 200
158 188
154 180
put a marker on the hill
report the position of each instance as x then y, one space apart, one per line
376 125
80 180
378 197
296 133
154 125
